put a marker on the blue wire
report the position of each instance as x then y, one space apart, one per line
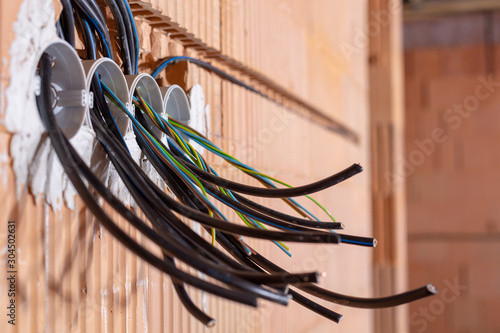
267 181
255 223
114 122
87 27
252 220
94 24
157 116
355 242
166 62
174 144
283 248
251 215
178 169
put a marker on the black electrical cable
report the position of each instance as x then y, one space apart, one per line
88 38
317 308
266 218
357 302
231 245
208 267
277 278
129 32
97 10
61 147
228 241
101 105
122 35
59 30
170 164
187 302
183 195
371 303
193 238
173 180
259 208
363 241
180 155
319 237
358 240
191 307
169 61
278 192
157 151
277 214
337 127
68 22
306 302
100 26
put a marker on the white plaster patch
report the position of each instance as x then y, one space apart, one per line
34 28
198 114
83 144
115 183
35 163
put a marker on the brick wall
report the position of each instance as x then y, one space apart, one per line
451 167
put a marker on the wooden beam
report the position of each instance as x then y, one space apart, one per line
387 144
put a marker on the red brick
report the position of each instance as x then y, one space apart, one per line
409 65
463 60
496 58
427 62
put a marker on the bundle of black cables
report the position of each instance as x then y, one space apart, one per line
242 276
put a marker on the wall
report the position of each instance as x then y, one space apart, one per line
451 166
73 276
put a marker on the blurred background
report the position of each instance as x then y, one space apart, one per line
452 104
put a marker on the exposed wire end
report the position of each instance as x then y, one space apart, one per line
432 289
357 240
